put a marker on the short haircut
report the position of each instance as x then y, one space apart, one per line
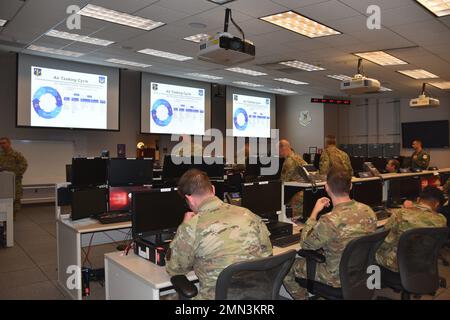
395 163
419 141
330 140
6 138
194 182
433 194
339 181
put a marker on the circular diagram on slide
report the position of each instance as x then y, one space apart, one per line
162 112
43 94
240 119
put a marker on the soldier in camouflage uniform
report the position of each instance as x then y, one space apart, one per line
331 233
334 157
418 215
420 158
290 172
14 161
213 236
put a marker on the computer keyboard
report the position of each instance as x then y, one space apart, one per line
382 215
286 241
114 218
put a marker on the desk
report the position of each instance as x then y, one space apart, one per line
71 236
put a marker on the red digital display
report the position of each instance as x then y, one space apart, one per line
331 101
120 197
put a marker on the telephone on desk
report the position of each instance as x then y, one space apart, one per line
369 171
233 198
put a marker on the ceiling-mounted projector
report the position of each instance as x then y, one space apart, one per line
360 84
226 49
423 101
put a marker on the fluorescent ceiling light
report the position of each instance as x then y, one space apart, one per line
341 77
418 74
128 63
285 91
203 76
220 1
197 38
385 89
113 16
443 85
300 24
381 58
292 81
439 8
78 38
3 22
164 54
248 84
55 51
301 65
246 71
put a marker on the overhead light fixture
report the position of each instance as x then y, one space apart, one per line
439 8
292 81
418 74
285 91
164 54
78 38
246 71
128 63
300 24
248 84
443 85
301 65
341 77
3 22
197 38
66 53
122 18
384 89
381 58
220 1
203 76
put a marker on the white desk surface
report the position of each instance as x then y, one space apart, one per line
89 225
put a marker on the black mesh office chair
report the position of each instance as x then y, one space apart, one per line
258 279
356 257
417 257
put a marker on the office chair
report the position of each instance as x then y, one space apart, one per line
356 257
417 256
258 279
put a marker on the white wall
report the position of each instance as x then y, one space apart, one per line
288 113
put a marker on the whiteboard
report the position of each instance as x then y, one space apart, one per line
46 160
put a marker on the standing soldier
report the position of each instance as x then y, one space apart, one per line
14 161
334 157
420 159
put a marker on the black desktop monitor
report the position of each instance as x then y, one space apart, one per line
120 197
379 163
253 169
402 189
262 198
173 171
310 197
219 186
88 202
68 173
368 192
157 211
130 172
214 167
357 163
89 172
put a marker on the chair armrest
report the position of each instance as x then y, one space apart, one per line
311 255
183 286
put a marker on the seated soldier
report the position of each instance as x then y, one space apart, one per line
348 220
413 215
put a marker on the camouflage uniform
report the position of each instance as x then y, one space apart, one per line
401 220
331 233
289 172
15 162
334 157
218 236
422 161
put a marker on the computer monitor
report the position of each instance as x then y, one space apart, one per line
68 173
262 198
88 202
219 186
130 172
402 189
310 197
120 197
368 192
214 167
157 211
357 163
88 172
253 169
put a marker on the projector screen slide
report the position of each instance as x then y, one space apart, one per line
64 94
251 116
176 109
